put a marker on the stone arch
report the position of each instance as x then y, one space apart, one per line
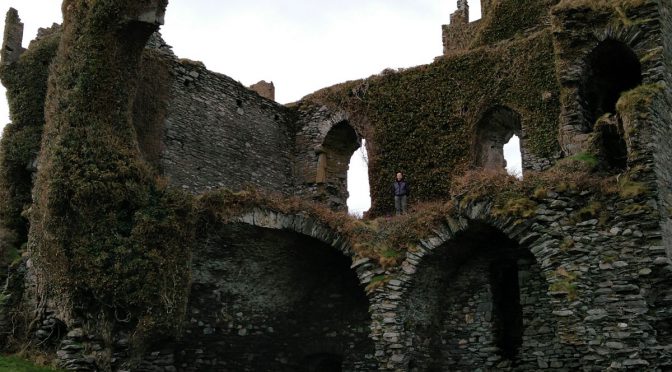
324 146
495 128
533 252
612 67
592 83
275 291
333 159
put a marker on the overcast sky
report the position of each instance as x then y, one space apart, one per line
300 45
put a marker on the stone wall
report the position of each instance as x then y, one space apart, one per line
12 38
325 142
663 129
459 34
577 34
599 288
490 303
272 300
220 134
264 89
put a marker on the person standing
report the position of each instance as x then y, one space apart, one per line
401 192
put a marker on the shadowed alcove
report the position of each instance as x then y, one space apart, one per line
478 301
612 68
274 300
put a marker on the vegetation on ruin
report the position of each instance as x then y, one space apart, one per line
17 364
110 237
600 4
639 99
107 235
26 83
423 120
512 18
564 283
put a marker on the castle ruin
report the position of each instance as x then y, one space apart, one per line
166 218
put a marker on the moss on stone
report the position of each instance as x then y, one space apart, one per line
107 236
26 83
599 4
510 18
639 99
422 121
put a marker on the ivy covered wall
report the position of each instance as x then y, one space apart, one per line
422 121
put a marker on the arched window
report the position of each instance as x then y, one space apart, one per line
333 160
495 129
359 200
612 68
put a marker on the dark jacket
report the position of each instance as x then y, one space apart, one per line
401 188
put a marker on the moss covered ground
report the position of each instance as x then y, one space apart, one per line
17 364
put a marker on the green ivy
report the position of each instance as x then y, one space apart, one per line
423 120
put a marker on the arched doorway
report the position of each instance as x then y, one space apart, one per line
495 130
267 299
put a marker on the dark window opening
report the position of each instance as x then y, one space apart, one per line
663 329
323 363
508 313
493 131
613 68
613 147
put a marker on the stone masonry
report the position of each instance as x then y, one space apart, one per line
218 133
582 282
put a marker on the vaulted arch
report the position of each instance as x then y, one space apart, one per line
276 292
474 293
472 300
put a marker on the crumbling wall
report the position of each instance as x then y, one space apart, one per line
574 45
264 89
593 276
105 236
12 38
217 133
24 74
508 19
459 34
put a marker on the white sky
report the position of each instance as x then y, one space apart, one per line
300 45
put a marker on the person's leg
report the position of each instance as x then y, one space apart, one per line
404 204
397 204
